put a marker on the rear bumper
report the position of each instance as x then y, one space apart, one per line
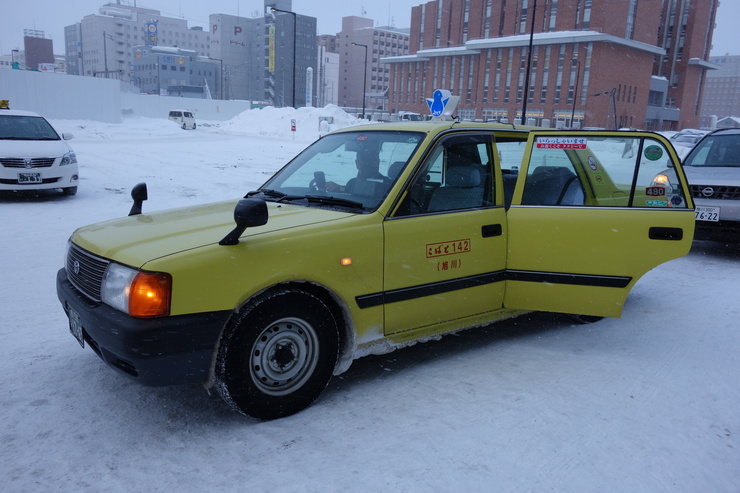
153 352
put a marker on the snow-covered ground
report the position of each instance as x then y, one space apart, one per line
646 403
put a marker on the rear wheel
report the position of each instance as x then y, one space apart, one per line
278 355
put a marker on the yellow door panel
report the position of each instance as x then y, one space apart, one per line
443 267
588 220
586 260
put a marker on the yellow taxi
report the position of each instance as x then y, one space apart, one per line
372 238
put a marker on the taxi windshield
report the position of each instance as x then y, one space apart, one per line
348 170
20 127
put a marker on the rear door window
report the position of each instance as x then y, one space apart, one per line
601 170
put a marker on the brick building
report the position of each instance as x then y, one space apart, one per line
594 63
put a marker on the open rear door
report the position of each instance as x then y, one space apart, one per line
588 219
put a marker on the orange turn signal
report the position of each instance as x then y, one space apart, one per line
149 295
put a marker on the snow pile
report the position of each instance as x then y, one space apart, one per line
311 123
133 128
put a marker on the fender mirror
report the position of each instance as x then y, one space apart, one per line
139 194
248 213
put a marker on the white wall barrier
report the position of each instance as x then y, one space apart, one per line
71 97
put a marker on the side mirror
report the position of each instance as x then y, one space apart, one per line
139 194
248 213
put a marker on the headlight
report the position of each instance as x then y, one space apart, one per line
664 179
69 158
140 294
661 179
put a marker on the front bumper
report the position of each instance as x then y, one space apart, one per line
154 352
54 177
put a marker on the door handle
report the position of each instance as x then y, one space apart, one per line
491 230
662 233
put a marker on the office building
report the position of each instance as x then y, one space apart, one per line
102 44
379 42
593 63
722 89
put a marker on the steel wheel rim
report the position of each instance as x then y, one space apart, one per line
284 356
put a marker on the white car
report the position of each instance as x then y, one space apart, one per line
713 171
184 118
33 156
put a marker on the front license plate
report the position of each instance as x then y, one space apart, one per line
29 177
707 213
75 326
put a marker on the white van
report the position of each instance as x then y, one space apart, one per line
183 118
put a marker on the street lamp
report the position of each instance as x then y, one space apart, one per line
221 73
364 79
612 93
294 37
529 64
575 91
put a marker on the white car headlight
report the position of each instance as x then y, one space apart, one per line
69 158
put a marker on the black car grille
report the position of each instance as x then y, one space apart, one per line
85 271
18 162
717 192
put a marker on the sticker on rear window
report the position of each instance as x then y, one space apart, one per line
561 142
653 153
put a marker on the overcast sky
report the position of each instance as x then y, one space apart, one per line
51 16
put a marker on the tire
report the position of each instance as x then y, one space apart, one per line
69 191
184 127
277 355
193 126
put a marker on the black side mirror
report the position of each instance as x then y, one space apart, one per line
138 193
248 213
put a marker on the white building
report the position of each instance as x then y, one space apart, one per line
101 45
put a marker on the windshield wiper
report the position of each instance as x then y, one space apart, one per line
323 199
317 199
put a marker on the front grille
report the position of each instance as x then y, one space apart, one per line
19 162
718 192
85 271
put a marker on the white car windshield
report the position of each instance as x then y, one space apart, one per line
21 127
716 150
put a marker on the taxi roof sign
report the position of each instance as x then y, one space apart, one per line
442 104
4 104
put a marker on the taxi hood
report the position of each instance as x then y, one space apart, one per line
138 239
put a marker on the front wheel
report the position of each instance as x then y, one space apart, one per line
278 355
